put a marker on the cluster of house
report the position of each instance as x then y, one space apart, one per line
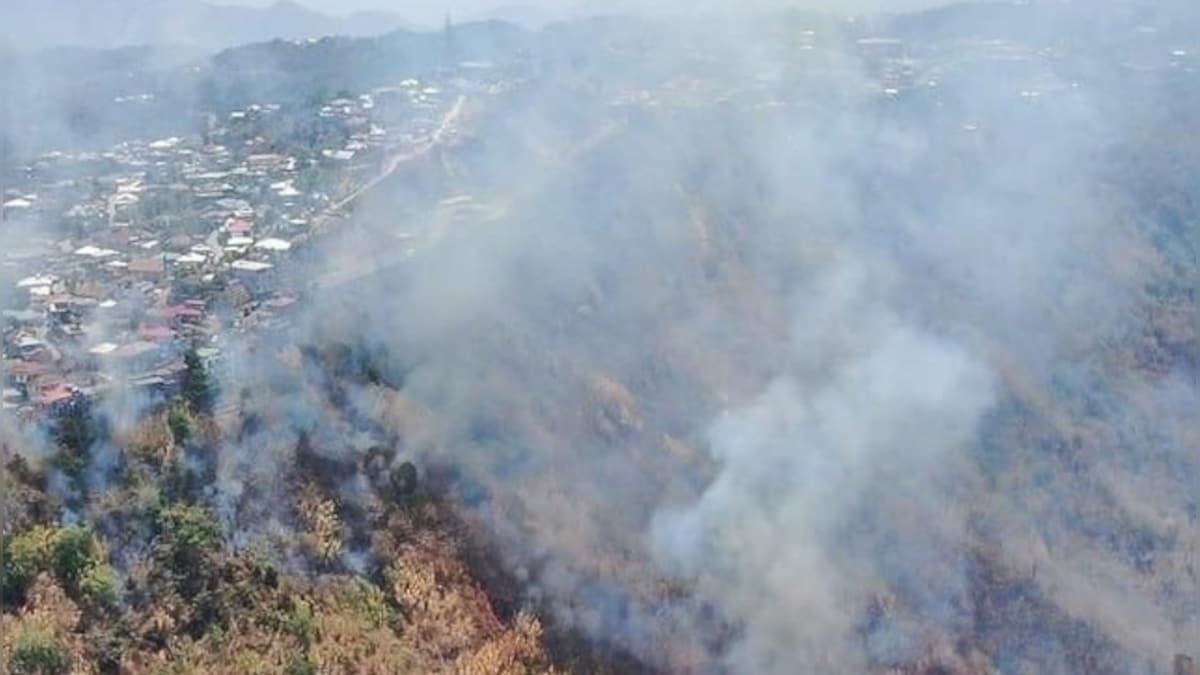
118 262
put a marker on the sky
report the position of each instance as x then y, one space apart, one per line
404 7
427 10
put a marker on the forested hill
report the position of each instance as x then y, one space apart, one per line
112 24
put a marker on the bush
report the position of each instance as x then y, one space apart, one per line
186 533
22 557
300 621
73 554
99 586
75 550
38 653
300 665
371 603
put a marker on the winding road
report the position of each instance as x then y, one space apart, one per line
449 120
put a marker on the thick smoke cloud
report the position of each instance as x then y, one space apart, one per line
836 300
832 484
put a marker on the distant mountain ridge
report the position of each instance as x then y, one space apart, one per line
37 24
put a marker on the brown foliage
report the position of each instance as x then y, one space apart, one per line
615 410
446 610
323 528
516 651
151 440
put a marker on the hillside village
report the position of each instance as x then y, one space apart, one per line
141 252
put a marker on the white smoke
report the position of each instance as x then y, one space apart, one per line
810 462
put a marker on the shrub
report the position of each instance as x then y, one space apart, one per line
22 556
99 586
300 665
300 621
371 603
37 653
75 551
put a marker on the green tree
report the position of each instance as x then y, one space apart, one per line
197 385
75 428
73 554
185 547
403 481
75 550
81 567
180 421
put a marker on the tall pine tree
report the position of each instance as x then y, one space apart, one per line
197 385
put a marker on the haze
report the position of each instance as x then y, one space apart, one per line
431 12
671 341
